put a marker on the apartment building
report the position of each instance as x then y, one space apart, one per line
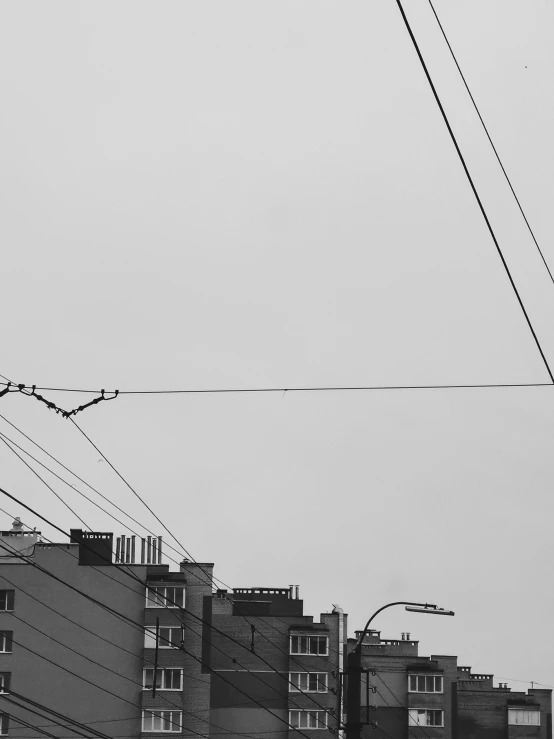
407 695
101 633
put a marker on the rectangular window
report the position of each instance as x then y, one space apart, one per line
308 682
425 683
308 719
7 598
165 597
171 679
303 644
168 721
4 723
425 717
524 717
5 682
6 641
170 637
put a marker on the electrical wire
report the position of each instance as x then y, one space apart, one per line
44 482
57 714
104 497
209 577
491 141
134 577
307 389
145 504
473 188
74 489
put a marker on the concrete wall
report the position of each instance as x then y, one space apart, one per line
50 682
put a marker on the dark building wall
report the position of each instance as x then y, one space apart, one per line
258 663
45 682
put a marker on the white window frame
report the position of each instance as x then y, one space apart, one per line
4 600
163 600
162 671
425 675
150 637
414 717
5 677
319 717
308 637
523 711
3 642
320 677
176 725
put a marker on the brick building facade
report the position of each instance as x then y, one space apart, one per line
407 695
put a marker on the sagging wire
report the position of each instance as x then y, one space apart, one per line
20 388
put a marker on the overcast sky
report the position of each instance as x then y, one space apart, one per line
248 194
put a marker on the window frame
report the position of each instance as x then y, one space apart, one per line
159 711
4 724
319 681
5 681
8 596
6 640
150 636
309 712
308 637
426 711
523 710
161 672
418 675
162 601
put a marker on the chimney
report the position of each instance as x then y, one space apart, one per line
408 636
403 636
17 526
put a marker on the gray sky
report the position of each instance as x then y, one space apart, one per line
246 194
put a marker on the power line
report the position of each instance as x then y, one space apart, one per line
208 580
144 584
145 504
44 482
474 189
76 490
308 389
207 575
491 142
104 497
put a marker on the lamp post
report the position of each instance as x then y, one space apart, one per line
354 671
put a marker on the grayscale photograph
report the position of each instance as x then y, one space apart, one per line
277 379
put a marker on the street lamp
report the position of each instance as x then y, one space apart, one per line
354 671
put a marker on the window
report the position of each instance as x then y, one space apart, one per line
170 637
6 641
308 645
165 679
308 682
524 717
4 723
162 721
308 719
425 717
5 682
425 683
162 597
7 598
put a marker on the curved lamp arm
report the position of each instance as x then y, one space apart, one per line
432 609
